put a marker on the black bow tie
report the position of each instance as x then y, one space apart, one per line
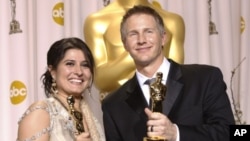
150 81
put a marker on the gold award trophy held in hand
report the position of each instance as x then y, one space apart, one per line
157 95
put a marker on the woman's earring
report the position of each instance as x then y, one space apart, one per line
53 88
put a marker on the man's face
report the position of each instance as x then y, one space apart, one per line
143 39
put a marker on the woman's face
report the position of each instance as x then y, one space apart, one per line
73 74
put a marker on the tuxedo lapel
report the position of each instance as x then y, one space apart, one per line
136 99
173 87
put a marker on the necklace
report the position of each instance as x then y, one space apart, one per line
76 115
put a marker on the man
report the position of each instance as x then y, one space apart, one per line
196 106
101 30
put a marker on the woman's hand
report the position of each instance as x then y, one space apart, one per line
85 136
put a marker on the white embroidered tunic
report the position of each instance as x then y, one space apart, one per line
62 125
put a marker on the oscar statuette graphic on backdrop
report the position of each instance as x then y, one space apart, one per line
14 24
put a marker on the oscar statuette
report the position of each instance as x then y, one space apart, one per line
157 95
76 115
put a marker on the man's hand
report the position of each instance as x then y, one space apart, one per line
160 126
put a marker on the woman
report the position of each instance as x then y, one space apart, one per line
64 115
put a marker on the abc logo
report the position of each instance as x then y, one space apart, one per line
18 92
58 13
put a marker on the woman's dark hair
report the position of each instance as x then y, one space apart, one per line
57 52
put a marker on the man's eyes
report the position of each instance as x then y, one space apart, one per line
149 31
135 33
132 34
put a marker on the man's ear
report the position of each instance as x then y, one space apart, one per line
125 46
164 38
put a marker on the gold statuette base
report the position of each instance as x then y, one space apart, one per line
154 139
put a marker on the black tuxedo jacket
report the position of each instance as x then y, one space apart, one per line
196 101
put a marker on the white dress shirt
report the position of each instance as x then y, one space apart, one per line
164 68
